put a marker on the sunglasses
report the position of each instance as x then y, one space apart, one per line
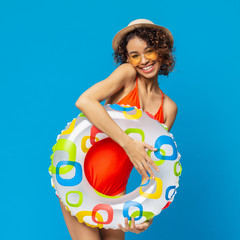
135 58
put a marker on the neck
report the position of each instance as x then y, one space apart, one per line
149 84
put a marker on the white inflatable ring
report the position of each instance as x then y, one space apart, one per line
96 209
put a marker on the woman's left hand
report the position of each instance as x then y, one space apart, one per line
138 228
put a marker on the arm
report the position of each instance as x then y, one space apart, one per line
89 104
170 115
171 109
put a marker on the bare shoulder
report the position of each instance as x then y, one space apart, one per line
127 67
126 70
127 73
170 110
106 88
169 104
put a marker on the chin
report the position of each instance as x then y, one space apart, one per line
147 75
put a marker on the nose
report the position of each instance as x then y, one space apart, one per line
144 60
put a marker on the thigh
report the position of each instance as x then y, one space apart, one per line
79 230
110 234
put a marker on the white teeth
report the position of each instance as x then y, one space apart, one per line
147 68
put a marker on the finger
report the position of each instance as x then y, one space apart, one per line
133 223
126 223
138 169
143 226
149 158
150 147
150 221
143 171
152 163
133 227
121 227
139 227
148 169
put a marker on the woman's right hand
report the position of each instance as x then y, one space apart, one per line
137 154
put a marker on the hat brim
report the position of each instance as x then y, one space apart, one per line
117 38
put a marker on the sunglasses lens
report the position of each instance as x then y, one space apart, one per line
135 59
151 54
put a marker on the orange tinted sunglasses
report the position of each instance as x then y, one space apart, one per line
136 58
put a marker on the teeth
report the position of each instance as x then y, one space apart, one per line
147 68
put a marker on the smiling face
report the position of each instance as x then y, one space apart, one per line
143 58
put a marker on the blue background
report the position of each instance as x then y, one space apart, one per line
52 51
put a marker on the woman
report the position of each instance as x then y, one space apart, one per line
144 51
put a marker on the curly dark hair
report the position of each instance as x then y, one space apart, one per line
155 38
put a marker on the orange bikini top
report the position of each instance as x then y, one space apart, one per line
132 99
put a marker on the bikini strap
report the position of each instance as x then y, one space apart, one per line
137 82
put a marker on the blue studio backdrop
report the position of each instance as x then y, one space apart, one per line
52 51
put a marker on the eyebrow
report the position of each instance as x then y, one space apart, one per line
137 52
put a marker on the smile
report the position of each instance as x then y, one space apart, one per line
148 68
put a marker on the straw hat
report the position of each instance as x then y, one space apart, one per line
136 24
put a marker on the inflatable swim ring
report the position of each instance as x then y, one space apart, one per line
99 210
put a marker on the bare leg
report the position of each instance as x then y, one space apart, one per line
77 230
110 234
